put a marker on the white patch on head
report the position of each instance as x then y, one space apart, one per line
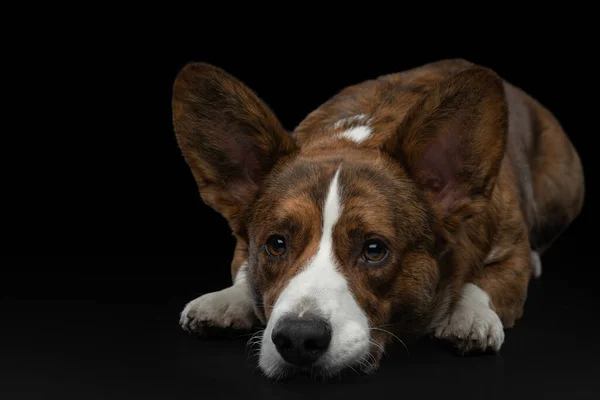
536 264
358 133
326 291
472 323
230 307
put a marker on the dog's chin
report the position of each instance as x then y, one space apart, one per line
321 372
274 367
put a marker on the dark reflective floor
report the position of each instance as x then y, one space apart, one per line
110 335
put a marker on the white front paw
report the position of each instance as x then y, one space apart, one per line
472 325
227 308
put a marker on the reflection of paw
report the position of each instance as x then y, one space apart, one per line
227 308
536 264
472 325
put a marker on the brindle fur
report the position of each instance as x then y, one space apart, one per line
513 184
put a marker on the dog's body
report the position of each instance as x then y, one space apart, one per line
421 200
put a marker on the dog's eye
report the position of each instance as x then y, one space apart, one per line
374 251
276 246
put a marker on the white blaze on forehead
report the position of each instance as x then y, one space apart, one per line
356 133
331 214
321 289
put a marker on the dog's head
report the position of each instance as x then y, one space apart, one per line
344 238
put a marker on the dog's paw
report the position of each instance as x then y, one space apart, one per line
229 308
472 325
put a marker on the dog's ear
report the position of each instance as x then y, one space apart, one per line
452 143
230 139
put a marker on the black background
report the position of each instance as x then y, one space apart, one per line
110 237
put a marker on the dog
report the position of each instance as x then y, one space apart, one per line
415 204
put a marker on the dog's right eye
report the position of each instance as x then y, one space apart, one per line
276 246
374 251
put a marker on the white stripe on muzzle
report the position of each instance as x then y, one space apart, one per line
321 289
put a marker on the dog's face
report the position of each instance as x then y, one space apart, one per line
343 246
343 239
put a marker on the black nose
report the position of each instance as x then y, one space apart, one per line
301 340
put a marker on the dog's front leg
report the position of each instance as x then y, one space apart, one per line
489 303
230 308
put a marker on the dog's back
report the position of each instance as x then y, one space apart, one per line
547 167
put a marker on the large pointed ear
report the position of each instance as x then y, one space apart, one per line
452 143
230 139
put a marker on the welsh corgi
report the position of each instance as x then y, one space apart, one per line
418 203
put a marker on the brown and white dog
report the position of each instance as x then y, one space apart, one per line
417 203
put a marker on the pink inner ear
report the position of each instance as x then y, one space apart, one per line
440 162
440 166
240 153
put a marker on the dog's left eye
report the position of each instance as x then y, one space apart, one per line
374 251
276 246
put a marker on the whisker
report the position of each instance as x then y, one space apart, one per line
254 341
355 371
383 326
390 333
257 335
371 362
380 347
